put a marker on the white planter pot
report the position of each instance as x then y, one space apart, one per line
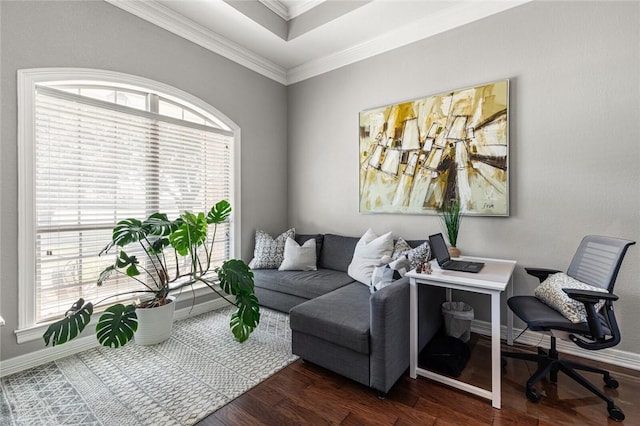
154 324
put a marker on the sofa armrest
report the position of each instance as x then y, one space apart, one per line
389 319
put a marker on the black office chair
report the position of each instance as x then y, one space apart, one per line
597 263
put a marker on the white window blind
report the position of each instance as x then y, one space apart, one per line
97 163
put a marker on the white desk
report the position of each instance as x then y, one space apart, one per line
493 279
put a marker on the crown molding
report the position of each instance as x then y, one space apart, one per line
164 17
169 20
299 8
296 9
277 7
434 24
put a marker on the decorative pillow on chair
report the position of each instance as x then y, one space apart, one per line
269 252
299 257
550 292
414 255
367 255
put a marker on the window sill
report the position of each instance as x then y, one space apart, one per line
35 332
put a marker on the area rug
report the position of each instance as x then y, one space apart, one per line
178 382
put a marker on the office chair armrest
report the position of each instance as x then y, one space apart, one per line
589 299
541 273
589 296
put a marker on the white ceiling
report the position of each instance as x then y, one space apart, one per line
292 40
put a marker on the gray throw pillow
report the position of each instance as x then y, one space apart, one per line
415 255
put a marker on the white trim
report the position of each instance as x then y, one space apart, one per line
1 321
26 199
165 18
464 13
27 81
42 356
35 332
296 9
277 7
301 7
609 356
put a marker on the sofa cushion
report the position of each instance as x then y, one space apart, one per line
340 317
303 238
307 284
337 252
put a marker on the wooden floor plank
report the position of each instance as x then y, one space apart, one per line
304 393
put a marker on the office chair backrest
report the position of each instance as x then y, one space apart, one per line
598 259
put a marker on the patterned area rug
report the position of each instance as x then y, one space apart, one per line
178 382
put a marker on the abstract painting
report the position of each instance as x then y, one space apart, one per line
418 154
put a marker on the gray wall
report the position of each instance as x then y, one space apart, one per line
95 34
574 69
575 95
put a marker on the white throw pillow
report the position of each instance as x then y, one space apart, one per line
550 292
297 257
368 254
269 252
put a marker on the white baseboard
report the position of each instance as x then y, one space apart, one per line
609 356
42 356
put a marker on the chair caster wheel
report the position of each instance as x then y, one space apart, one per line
615 413
532 395
610 382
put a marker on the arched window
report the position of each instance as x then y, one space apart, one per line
96 147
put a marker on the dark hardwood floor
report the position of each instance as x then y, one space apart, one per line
303 393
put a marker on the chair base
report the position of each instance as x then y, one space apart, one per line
549 364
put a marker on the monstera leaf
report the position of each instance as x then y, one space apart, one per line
158 245
235 277
104 275
128 231
220 212
75 320
158 224
130 262
248 309
245 320
117 325
191 232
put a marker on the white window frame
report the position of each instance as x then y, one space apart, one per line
28 79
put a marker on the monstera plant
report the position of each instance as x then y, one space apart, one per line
157 239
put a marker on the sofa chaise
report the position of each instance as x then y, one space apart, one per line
338 324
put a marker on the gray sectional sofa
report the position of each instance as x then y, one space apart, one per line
338 324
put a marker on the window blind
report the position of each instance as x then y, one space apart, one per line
98 163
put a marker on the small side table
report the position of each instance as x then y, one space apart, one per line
493 279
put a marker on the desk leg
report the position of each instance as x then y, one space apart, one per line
413 328
509 314
496 389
